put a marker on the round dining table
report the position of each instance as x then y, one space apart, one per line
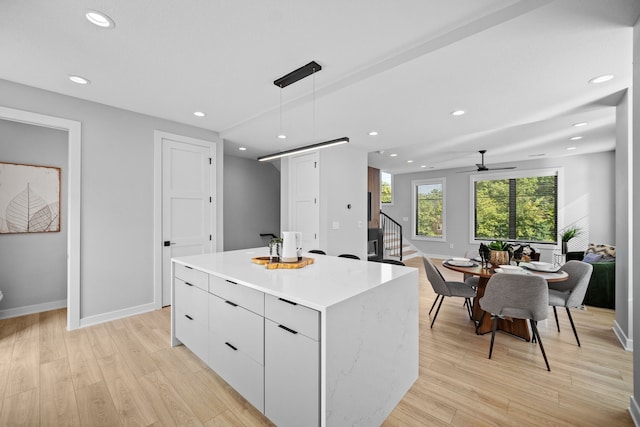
517 327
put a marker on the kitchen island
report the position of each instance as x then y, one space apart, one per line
334 343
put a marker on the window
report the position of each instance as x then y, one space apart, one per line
386 188
428 209
517 208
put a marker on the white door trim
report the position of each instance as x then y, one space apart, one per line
73 129
158 136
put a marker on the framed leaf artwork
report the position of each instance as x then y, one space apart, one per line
29 198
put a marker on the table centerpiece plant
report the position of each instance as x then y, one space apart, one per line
500 253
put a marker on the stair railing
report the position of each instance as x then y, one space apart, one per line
391 235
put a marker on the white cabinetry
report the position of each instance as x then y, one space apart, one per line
236 338
332 344
292 363
190 305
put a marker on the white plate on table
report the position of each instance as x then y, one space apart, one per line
460 262
512 269
541 266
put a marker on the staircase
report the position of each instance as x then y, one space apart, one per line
394 250
395 247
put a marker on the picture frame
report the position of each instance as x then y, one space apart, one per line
29 198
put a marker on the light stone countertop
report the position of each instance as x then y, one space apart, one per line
328 281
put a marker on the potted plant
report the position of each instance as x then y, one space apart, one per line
499 254
276 243
568 234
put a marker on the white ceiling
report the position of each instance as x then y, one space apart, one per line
520 69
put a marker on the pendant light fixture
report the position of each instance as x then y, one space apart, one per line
310 69
280 134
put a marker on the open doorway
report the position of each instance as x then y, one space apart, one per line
72 187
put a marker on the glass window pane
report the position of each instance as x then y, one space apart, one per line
429 210
517 209
492 209
386 193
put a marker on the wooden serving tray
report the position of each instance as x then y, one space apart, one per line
264 260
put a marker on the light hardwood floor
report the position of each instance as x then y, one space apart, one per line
125 373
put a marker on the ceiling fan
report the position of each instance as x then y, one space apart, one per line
482 168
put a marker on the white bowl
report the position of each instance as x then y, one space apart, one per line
460 259
510 267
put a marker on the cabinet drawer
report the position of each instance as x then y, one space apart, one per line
193 335
191 275
242 373
237 326
190 301
294 316
243 296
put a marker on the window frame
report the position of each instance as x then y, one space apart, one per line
414 186
391 184
513 174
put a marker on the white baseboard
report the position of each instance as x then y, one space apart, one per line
30 309
118 314
634 410
627 343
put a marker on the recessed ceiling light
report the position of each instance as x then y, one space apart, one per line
575 138
571 148
577 125
199 114
100 19
601 79
457 113
392 155
78 79
423 166
409 161
373 133
282 136
242 148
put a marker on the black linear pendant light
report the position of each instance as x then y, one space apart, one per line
284 81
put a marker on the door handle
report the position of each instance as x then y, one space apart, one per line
168 243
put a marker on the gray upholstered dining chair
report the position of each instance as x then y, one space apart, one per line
444 288
517 296
570 293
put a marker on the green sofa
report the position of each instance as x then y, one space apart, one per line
602 285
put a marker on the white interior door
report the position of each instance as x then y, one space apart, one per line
304 187
187 204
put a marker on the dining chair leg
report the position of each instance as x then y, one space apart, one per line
437 311
573 326
533 336
434 303
479 322
555 313
493 334
467 302
534 328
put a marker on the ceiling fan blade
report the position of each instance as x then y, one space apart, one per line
470 170
498 169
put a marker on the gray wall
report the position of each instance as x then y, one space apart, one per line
33 266
635 238
589 187
117 207
623 200
251 202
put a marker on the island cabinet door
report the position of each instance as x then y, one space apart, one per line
291 377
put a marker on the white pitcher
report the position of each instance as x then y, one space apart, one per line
291 244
